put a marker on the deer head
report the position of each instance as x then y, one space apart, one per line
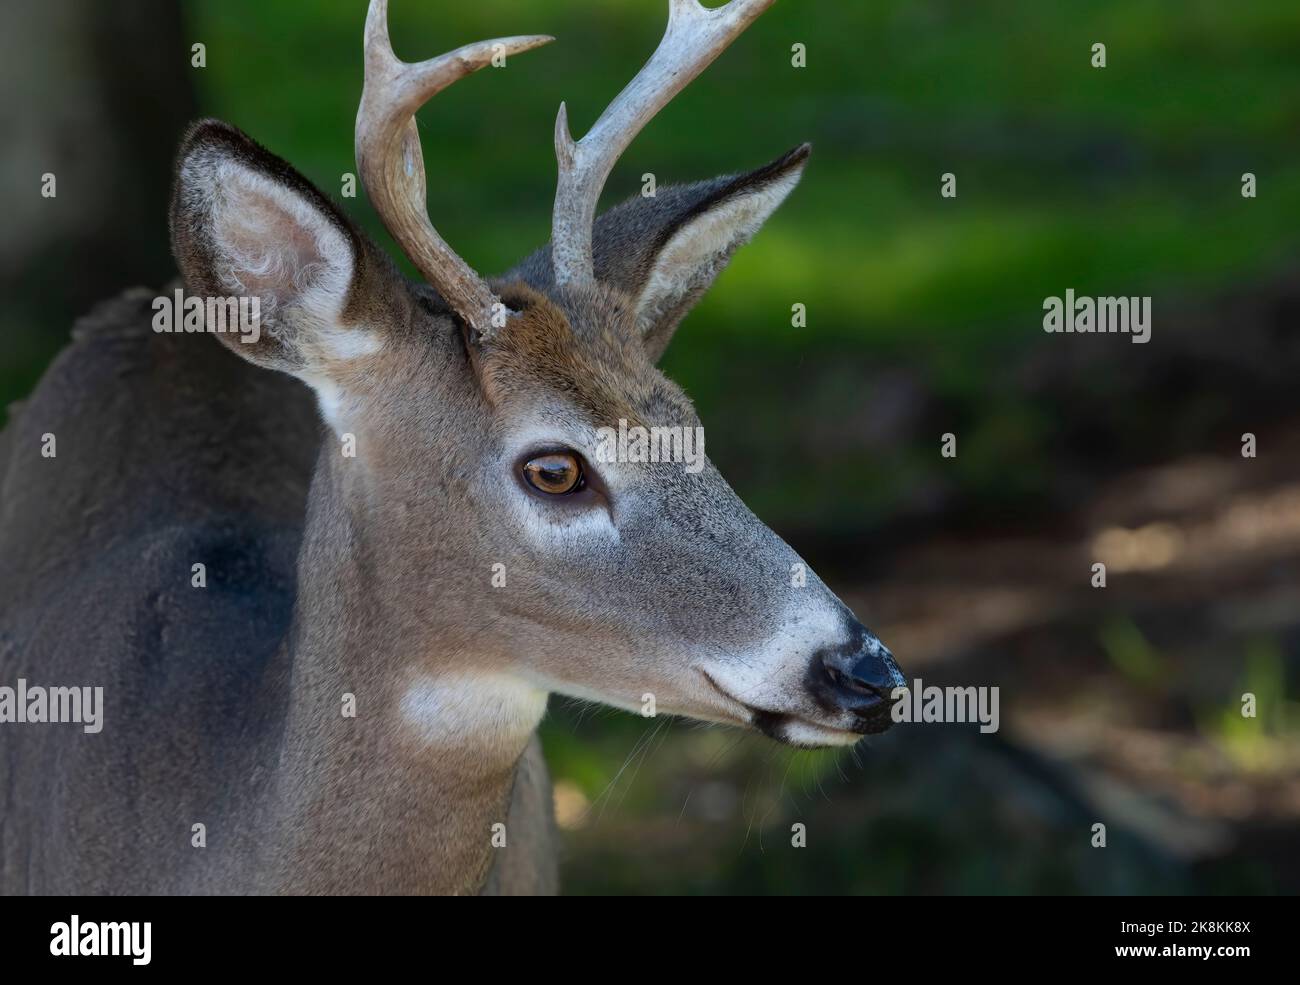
495 540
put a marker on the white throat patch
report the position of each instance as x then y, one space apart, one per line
468 708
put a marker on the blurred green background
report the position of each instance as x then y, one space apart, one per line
923 317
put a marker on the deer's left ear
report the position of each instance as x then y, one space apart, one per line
667 250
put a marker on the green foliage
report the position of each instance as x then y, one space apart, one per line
1136 659
1269 739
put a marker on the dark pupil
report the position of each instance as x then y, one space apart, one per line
553 472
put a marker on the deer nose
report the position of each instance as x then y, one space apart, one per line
859 677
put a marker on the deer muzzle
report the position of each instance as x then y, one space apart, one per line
857 678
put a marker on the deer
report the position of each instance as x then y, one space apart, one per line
469 558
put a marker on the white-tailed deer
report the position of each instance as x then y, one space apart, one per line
347 700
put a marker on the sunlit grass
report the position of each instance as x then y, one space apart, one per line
1268 738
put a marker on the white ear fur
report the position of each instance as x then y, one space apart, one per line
269 241
697 252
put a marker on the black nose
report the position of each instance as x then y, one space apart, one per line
858 676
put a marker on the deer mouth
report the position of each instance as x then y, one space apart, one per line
793 729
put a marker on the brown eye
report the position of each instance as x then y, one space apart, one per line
556 473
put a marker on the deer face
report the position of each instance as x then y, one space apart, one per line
650 580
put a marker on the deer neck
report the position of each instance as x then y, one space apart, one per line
396 764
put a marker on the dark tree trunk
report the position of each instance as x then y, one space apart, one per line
96 94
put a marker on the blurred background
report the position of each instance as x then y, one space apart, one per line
1119 705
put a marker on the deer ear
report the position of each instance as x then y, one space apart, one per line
247 225
685 236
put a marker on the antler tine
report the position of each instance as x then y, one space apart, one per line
695 36
391 162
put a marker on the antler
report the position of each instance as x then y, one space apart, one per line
695 36
392 165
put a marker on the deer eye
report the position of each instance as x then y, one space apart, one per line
556 473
